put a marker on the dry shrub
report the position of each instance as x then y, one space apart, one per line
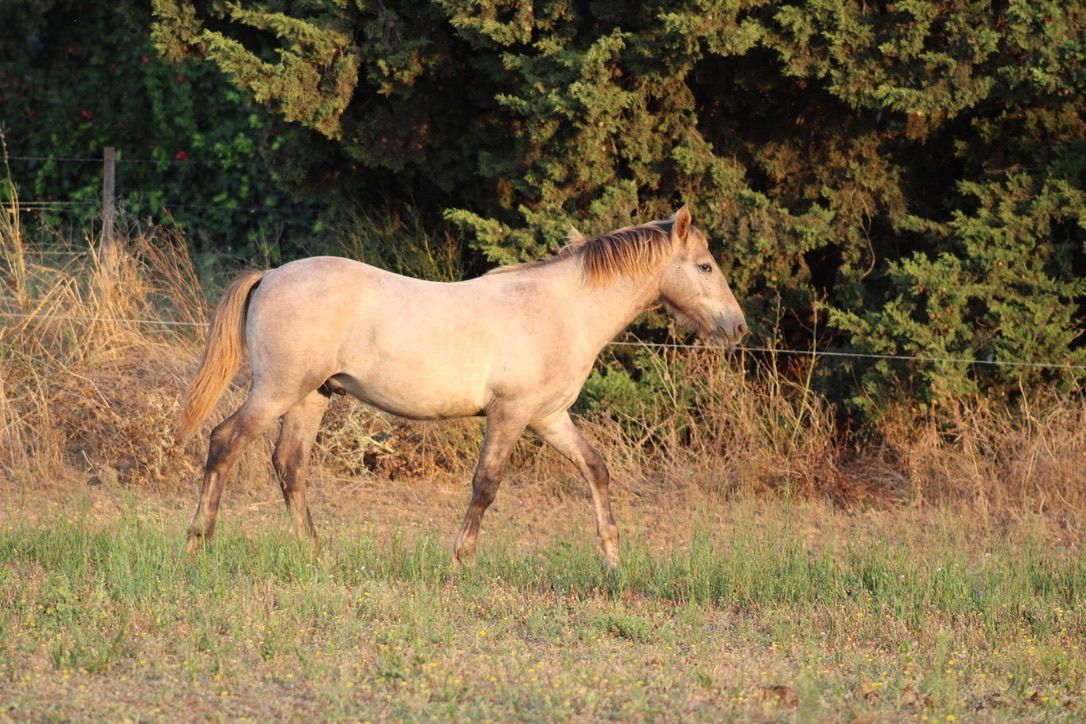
729 424
995 458
90 388
89 392
358 440
755 427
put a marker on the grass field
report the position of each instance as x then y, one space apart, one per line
720 610
775 565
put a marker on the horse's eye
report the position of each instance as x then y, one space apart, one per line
705 268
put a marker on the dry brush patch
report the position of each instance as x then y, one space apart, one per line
742 593
996 459
90 390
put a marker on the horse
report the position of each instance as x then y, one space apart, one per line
515 345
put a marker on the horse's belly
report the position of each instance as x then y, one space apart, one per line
413 399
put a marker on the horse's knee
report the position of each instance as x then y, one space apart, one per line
286 461
601 477
484 492
484 486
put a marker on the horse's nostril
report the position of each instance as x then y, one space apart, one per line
741 329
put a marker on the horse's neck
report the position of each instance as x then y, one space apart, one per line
605 310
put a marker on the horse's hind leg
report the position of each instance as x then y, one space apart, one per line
501 435
564 437
228 440
296 439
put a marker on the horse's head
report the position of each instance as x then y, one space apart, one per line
694 290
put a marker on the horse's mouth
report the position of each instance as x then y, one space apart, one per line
728 333
712 335
713 331
721 339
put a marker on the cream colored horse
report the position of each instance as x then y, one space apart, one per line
515 346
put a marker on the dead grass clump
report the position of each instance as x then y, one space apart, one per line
95 353
357 440
995 458
738 427
731 426
118 418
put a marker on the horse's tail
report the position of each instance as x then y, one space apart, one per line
223 356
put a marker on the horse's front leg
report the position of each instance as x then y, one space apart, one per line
502 432
560 432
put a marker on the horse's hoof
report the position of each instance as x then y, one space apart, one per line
194 543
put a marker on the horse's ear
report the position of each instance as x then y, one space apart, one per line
681 223
575 237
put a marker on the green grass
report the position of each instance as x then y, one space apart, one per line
111 620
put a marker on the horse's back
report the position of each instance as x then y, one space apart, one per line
413 347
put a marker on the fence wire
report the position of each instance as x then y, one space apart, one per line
640 343
37 205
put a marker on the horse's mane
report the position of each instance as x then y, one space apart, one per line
626 252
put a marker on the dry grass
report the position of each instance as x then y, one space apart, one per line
996 460
88 395
771 571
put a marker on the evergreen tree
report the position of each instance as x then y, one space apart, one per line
916 167
75 77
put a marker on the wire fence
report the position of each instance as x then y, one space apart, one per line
155 161
866 355
75 206
79 206
814 353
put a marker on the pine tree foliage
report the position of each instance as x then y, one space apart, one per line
315 71
916 167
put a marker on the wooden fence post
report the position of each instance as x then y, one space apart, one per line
109 194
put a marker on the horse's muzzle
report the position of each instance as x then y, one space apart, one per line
728 333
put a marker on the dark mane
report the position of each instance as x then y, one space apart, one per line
626 252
